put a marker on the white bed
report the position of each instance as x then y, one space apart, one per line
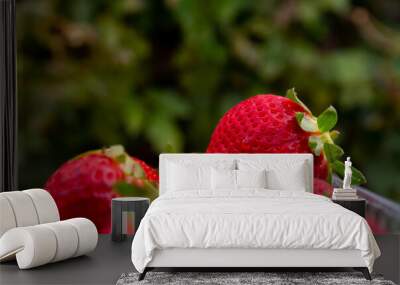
281 224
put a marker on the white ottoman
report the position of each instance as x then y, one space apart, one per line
31 232
37 245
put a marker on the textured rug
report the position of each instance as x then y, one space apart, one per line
231 278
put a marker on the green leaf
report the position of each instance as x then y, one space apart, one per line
168 148
292 95
306 122
334 134
121 158
299 117
327 120
138 171
356 179
133 114
126 189
332 152
329 179
123 188
114 151
151 186
164 133
169 102
315 144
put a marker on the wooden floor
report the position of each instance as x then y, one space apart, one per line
110 260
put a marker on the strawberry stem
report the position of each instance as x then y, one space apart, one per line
321 139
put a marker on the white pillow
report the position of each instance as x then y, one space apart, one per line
251 178
281 175
293 179
188 177
223 179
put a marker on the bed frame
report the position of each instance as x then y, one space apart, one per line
246 258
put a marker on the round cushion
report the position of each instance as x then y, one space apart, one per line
33 246
87 234
45 205
67 240
40 244
23 208
7 218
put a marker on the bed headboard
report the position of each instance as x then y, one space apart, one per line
209 158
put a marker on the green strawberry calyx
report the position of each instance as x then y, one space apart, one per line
322 137
127 164
136 183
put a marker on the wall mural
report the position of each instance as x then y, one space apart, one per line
106 86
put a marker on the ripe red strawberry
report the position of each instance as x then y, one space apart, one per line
322 187
377 227
85 185
274 124
150 172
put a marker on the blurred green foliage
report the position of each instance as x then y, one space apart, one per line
157 75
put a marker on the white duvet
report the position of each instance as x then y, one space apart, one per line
250 219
